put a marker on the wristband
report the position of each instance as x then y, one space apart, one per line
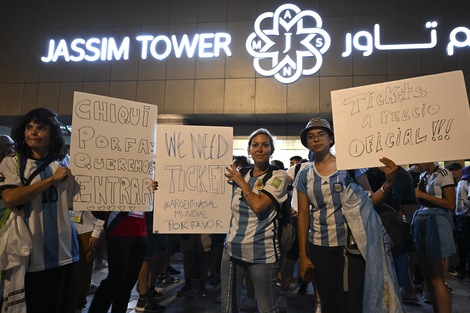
246 194
385 189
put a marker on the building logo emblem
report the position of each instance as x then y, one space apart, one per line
288 43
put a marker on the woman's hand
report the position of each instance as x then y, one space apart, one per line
390 170
233 174
62 174
92 243
419 194
304 264
154 185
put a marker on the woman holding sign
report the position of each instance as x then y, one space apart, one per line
321 221
36 181
251 245
432 230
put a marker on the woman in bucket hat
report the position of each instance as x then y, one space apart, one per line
322 229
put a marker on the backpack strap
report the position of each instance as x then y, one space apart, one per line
5 216
22 159
297 169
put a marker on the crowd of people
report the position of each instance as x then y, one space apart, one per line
358 232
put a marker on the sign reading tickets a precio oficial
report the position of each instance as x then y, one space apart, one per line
193 193
112 153
422 119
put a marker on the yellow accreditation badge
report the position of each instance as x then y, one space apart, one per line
259 185
76 216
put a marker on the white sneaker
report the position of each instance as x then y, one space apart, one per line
408 297
282 303
248 304
92 289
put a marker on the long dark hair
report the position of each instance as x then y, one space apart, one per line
57 148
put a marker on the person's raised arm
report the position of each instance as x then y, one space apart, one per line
390 170
257 202
446 202
15 196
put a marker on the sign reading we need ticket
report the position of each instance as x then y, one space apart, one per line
112 153
193 195
416 120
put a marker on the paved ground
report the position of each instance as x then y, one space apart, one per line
296 303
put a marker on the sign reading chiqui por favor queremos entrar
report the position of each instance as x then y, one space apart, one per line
112 153
416 120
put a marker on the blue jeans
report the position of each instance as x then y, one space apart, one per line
264 277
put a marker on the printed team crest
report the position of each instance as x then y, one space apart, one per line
338 187
259 185
288 43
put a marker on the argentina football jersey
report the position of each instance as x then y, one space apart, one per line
252 235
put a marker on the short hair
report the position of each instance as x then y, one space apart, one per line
454 166
241 160
296 158
262 131
39 116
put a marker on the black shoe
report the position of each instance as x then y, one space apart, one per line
202 291
155 294
184 291
145 304
173 271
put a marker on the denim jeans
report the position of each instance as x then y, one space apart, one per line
264 279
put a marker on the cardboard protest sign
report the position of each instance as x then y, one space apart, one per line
112 153
193 194
423 119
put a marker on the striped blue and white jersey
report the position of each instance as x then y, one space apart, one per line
324 194
252 235
438 180
47 215
463 192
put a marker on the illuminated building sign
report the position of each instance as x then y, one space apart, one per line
160 47
285 44
285 63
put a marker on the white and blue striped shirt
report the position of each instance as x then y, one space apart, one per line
252 235
438 180
324 194
47 216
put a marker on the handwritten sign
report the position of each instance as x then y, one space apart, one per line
423 119
193 194
112 153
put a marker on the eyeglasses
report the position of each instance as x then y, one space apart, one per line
320 135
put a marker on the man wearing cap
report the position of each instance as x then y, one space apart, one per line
456 169
6 146
462 213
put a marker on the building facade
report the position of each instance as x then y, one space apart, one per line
242 63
